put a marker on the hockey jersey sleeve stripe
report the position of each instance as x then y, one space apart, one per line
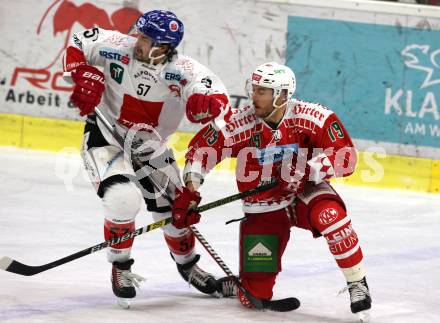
335 226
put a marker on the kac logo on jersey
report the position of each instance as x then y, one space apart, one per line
273 154
115 55
327 216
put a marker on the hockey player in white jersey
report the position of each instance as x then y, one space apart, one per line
144 88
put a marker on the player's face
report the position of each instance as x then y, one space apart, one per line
143 47
262 98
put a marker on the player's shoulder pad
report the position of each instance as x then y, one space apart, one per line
241 122
111 38
117 38
117 46
181 69
314 113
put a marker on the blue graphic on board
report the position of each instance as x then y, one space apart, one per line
382 81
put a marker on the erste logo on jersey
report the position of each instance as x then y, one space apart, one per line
172 75
113 54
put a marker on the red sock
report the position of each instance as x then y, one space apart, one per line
330 218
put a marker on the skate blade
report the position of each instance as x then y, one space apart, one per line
364 316
217 295
124 303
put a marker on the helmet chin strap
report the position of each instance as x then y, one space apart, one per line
153 58
275 108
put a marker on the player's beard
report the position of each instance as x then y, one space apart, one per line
262 114
143 55
266 115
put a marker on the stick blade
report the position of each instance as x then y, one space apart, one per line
5 262
16 267
282 305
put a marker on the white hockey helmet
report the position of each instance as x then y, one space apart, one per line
275 76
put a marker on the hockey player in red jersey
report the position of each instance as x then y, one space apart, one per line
144 88
299 144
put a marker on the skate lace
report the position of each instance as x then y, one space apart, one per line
126 278
358 291
229 288
198 276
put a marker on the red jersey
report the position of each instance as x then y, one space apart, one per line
309 144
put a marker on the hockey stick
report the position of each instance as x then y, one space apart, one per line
256 302
282 305
16 267
288 304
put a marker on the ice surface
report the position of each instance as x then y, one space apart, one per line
43 219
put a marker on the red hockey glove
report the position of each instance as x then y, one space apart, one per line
182 215
295 175
202 108
321 169
294 186
89 86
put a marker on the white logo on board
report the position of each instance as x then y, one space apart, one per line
421 57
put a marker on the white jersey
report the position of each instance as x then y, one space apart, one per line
139 93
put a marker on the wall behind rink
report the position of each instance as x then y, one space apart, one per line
380 94
381 75
231 37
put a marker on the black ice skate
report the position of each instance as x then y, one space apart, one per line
226 287
124 281
359 296
198 278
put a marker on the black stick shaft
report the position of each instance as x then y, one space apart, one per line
14 266
256 302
